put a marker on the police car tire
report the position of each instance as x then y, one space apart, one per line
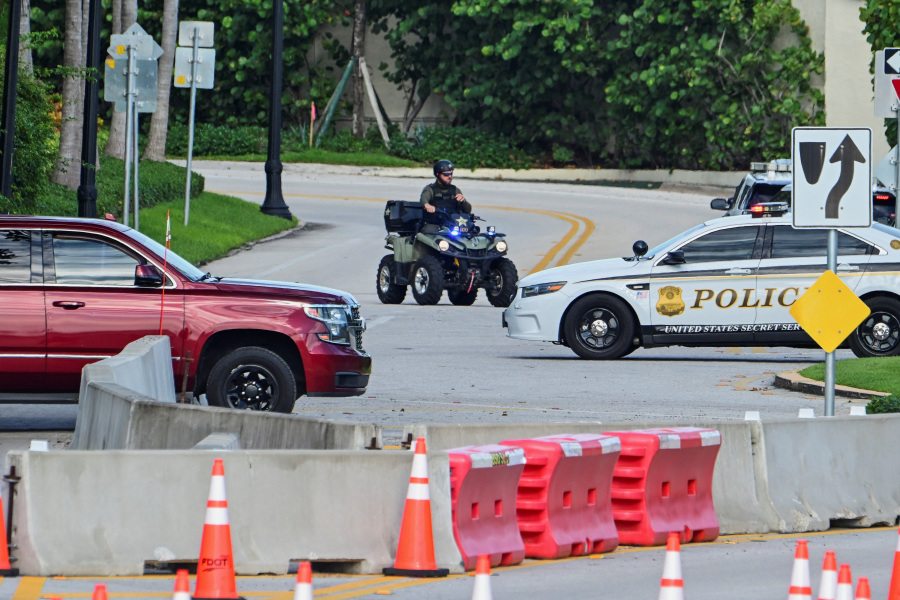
462 297
616 316
501 296
388 291
428 271
863 341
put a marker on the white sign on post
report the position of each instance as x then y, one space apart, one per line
832 177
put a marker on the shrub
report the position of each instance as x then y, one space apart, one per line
883 404
212 140
467 148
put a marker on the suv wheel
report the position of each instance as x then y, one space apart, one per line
428 280
879 333
388 291
599 328
252 378
501 282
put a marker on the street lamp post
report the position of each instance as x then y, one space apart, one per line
274 201
10 83
87 189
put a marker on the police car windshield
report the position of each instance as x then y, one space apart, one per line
670 242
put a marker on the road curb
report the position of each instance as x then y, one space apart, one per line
792 380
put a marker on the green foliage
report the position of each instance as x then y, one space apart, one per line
467 148
653 83
883 404
880 18
216 139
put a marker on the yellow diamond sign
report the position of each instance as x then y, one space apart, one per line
828 311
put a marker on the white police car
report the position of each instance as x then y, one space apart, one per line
726 282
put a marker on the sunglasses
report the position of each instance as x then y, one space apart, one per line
447 173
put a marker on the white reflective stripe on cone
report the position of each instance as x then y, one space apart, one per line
418 491
216 516
217 488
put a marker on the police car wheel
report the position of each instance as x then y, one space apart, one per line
599 327
428 280
388 291
879 333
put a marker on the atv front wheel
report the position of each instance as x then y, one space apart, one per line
462 297
501 282
428 280
388 291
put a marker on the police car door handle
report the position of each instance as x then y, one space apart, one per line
846 267
738 271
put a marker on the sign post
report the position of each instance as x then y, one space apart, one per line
194 68
832 187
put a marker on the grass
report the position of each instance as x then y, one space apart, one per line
876 374
325 157
211 231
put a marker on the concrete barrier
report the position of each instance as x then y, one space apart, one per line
108 513
119 410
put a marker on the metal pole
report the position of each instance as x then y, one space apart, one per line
137 161
11 83
87 189
274 200
829 356
129 102
190 152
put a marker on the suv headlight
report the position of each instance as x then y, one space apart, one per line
336 320
542 288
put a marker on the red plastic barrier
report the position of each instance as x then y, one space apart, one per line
663 483
564 506
483 483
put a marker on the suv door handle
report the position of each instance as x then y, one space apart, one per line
68 304
846 267
738 271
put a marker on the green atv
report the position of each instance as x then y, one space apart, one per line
441 251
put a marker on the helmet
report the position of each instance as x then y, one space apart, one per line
441 166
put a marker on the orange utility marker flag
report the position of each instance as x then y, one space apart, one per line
162 301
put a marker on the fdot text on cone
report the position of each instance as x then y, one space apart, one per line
800 588
415 549
6 569
482 590
672 586
215 569
303 590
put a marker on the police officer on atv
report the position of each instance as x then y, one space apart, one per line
442 194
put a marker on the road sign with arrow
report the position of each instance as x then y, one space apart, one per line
832 177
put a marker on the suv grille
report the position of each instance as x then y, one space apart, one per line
357 326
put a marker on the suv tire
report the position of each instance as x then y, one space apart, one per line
252 378
388 291
427 280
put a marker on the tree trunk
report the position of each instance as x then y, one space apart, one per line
24 32
125 13
68 171
159 124
356 50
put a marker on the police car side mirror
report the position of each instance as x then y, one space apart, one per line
639 248
720 203
675 257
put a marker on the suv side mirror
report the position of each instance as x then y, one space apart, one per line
147 276
721 203
675 257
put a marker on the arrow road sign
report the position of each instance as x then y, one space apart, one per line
892 61
832 177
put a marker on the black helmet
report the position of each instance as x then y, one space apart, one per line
441 166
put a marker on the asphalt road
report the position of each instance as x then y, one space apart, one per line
449 364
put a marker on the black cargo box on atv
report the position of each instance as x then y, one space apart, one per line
402 217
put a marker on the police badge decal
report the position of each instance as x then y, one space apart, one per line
670 303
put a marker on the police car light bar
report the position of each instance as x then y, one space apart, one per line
778 167
769 209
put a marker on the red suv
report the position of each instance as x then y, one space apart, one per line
75 291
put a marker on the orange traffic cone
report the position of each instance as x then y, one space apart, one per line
845 584
482 589
6 569
182 585
800 588
215 570
672 587
99 592
862 589
894 591
304 589
828 582
415 550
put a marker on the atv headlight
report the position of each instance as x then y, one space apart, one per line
444 245
335 318
501 246
542 288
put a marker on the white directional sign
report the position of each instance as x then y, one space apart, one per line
887 69
832 177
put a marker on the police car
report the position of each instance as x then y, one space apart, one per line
726 282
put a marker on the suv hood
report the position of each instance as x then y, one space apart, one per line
310 293
575 273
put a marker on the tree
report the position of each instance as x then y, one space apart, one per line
356 50
67 171
25 57
159 124
125 15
